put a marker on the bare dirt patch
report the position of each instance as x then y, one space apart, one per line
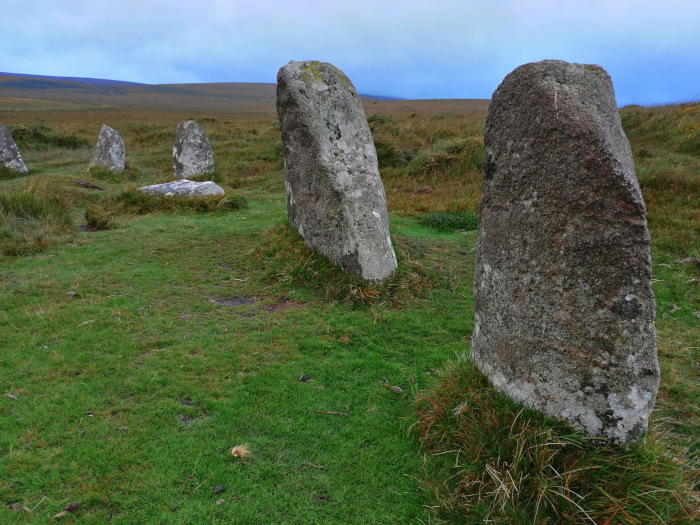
284 304
233 301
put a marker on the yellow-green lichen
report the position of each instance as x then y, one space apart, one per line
310 72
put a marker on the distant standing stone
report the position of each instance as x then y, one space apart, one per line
335 196
192 153
563 306
9 154
184 188
109 152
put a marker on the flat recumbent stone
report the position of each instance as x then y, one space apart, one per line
184 188
335 196
564 311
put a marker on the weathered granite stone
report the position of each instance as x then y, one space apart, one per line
109 151
192 153
335 196
9 154
184 188
564 311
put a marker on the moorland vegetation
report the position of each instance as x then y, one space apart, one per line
139 350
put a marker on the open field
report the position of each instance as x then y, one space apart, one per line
134 358
233 98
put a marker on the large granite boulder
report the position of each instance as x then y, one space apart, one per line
335 196
564 311
9 154
109 152
192 153
184 188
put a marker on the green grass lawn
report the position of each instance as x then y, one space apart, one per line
132 360
130 379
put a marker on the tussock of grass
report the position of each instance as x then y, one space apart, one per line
98 219
130 173
149 135
677 127
458 154
451 221
8 174
666 143
217 177
30 223
515 466
38 136
289 261
134 201
444 152
395 146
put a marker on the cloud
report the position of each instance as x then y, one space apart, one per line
412 48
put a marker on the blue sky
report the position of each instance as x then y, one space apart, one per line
407 49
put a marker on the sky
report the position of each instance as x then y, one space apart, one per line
404 49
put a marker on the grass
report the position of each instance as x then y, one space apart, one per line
97 219
38 136
8 174
133 201
451 221
30 223
288 261
507 464
138 357
129 173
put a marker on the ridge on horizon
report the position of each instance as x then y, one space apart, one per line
83 80
110 82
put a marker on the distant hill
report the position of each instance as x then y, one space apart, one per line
94 81
23 92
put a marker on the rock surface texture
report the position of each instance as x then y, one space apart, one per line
109 152
335 196
564 311
192 153
184 188
9 154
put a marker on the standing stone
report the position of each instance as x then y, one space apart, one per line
109 151
192 153
335 196
563 306
9 154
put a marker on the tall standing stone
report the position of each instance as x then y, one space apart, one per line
335 196
109 152
9 154
564 311
192 153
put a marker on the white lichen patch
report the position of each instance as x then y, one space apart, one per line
629 415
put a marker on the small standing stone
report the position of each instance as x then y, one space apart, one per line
192 153
563 306
109 152
335 196
9 154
